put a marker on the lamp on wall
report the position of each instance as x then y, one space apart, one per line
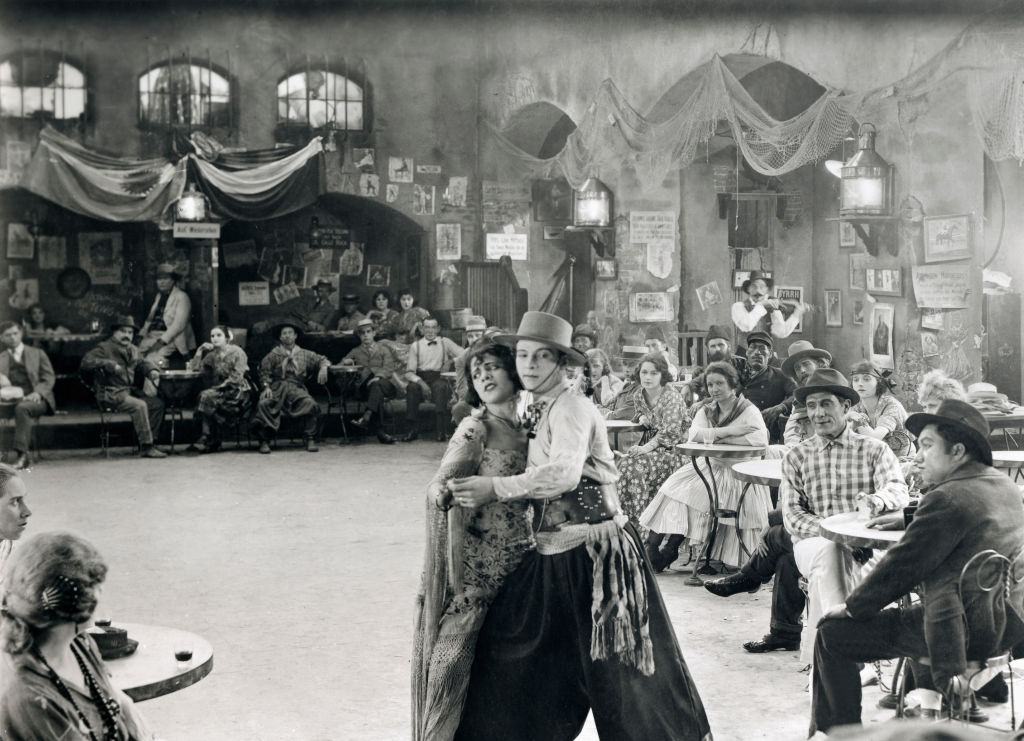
866 179
192 206
592 204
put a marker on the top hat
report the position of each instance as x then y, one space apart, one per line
957 414
763 337
798 351
718 332
166 268
123 320
827 380
325 282
585 330
476 323
350 298
551 330
756 275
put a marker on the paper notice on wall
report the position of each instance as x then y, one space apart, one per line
941 286
287 292
659 258
100 255
513 245
52 253
254 293
455 193
422 199
391 194
651 226
239 254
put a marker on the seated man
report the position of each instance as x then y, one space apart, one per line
970 508
114 366
283 374
475 328
350 314
379 379
28 370
823 476
168 327
767 387
802 359
320 310
428 357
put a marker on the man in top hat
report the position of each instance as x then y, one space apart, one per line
28 370
350 314
168 326
320 310
428 357
380 378
971 508
284 372
554 645
118 370
763 312
823 476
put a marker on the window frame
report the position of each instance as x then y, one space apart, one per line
204 65
356 77
50 117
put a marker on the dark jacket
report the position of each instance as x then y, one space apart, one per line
975 509
39 370
114 369
768 388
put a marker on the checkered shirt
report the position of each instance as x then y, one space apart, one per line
821 477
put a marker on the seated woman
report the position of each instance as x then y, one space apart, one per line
227 397
662 412
936 387
681 509
606 385
55 686
486 543
385 319
407 323
879 414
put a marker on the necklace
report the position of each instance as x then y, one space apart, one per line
108 707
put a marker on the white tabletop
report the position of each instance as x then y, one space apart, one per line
765 472
153 670
851 529
717 450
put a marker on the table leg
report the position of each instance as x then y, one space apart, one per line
342 404
173 411
694 579
736 516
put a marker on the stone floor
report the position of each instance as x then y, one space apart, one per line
301 570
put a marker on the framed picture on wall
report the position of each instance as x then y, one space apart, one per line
881 335
858 264
650 307
792 295
833 307
947 238
552 200
885 281
605 270
847 234
858 312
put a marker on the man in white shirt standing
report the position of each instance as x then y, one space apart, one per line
428 357
762 311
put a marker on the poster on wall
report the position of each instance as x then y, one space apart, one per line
513 245
882 316
933 319
709 294
858 312
378 276
657 230
941 286
369 185
20 245
794 296
858 271
650 307
287 292
351 261
929 344
552 200
101 256
26 293
363 159
455 193
254 293
391 194
52 253
449 241
422 199
400 169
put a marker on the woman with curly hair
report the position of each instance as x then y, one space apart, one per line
878 414
605 384
385 319
935 387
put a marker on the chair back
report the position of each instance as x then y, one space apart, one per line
985 572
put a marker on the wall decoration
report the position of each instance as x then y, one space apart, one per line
378 276
929 344
254 293
428 169
858 312
941 286
933 319
369 185
391 193
605 270
52 253
653 307
659 258
791 295
554 232
20 245
882 316
885 281
351 261
423 199
858 264
26 293
739 277
364 159
286 292
100 255
947 238
708 295
400 169
239 254
449 241
833 307
272 265
552 200
513 245
847 234
327 235
456 192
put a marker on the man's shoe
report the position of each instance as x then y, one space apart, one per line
21 463
995 690
772 643
410 436
311 446
727 586
363 422
153 452
264 447
385 438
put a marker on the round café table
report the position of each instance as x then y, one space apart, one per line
153 670
707 451
177 389
345 378
617 426
1003 423
1011 460
758 473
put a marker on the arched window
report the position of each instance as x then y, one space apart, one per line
41 84
190 94
319 98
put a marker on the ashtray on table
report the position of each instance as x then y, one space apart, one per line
113 642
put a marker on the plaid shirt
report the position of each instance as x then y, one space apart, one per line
821 477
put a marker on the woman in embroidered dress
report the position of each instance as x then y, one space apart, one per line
606 385
407 321
55 686
469 551
662 412
228 395
681 510
879 414
385 319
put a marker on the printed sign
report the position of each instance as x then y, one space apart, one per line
513 245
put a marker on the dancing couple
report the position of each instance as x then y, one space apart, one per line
537 604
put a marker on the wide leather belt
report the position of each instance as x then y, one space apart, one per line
587 504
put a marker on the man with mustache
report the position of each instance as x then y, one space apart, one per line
718 343
760 311
802 360
768 388
116 366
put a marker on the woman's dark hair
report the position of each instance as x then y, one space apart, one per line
407 292
952 435
726 370
884 382
659 362
380 292
502 353
226 330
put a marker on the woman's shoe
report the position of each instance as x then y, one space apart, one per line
199 446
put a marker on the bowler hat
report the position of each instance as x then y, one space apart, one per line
798 351
350 298
958 414
756 275
827 380
718 332
763 337
551 330
123 320
166 268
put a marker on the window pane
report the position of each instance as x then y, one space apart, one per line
10 100
38 83
326 93
71 105
6 74
179 94
355 116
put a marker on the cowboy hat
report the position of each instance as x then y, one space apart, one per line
962 416
166 268
123 320
287 323
827 380
757 275
798 351
350 298
551 330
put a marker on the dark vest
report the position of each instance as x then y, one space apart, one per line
19 376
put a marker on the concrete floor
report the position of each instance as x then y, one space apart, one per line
301 570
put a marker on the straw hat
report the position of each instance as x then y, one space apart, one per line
551 330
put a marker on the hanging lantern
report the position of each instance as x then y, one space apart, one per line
592 204
866 180
192 206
